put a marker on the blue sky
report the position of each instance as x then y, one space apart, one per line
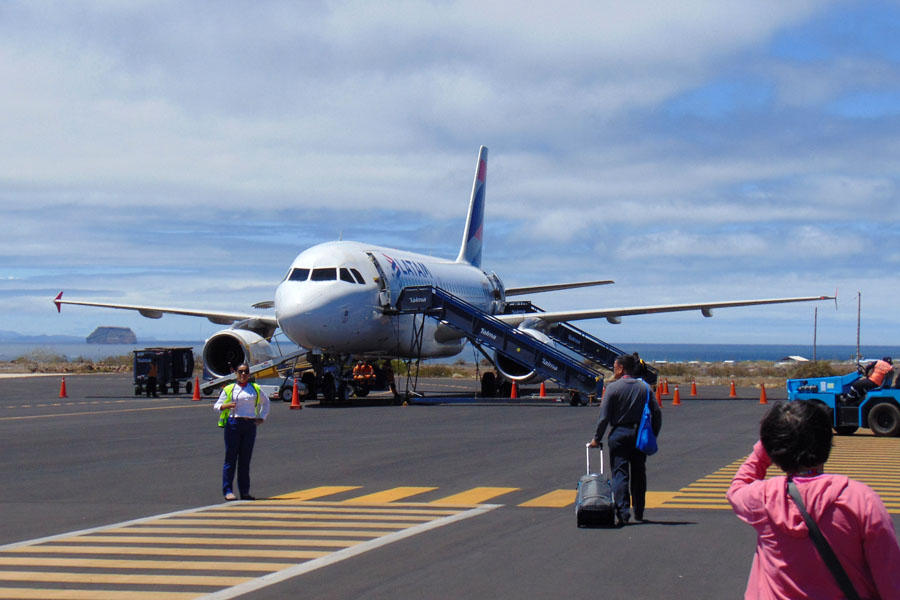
181 154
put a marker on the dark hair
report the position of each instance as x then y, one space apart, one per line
796 435
627 362
632 364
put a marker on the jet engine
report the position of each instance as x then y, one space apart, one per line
225 350
516 371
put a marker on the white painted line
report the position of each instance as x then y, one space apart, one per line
335 557
115 525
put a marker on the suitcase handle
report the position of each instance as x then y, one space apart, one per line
587 455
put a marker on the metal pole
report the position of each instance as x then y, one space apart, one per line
815 330
858 312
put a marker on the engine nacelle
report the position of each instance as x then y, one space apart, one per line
225 350
515 371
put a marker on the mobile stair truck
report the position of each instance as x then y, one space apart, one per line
879 409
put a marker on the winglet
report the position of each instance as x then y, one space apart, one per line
470 251
57 302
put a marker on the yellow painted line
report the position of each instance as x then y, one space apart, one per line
284 523
101 563
474 496
387 496
725 506
232 543
288 517
219 532
339 508
657 499
49 594
554 499
120 578
316 492
226 553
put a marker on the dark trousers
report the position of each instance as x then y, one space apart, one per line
240 435
860 388
151 387
629 470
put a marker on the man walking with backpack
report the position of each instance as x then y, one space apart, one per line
621 409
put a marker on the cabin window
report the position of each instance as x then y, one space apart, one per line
299 275
345 275
359 278
327 274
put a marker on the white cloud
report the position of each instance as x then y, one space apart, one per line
167 126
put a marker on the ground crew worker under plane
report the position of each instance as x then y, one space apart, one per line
242 406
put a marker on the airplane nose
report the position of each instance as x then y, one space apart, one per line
305 312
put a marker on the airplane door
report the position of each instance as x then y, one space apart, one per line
384 294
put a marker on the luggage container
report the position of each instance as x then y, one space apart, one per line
174 366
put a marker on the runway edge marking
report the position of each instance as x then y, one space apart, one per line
335 557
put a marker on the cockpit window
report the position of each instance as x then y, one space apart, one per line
327 274
359 278
299 275
345 275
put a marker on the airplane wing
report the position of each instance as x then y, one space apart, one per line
614 315
534 289
156 312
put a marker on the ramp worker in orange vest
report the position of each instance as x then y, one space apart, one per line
242 406
875 375
368 373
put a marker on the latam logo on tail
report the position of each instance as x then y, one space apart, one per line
475 226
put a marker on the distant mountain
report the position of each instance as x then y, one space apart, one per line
13 336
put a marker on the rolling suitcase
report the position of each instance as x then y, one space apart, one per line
594 505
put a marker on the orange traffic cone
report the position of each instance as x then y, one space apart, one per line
295 398
762 394
676 397
196 396
514 391
62 389
543 393
666 387
659 394
733 393
693 388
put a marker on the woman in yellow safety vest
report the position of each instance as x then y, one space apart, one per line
242 406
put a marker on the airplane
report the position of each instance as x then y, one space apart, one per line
337 300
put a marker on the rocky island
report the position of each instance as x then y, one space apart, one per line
112 335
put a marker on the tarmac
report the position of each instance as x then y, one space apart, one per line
108 495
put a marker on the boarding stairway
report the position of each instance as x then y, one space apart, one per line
486 330
579 341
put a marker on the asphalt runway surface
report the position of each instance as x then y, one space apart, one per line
445 501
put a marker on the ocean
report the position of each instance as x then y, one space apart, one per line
739 352
650 352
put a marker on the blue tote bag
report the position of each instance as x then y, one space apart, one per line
646 440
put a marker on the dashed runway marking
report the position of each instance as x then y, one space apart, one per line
181 555
874 461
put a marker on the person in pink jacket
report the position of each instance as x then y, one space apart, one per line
796 436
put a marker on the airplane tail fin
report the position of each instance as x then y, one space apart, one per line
470 251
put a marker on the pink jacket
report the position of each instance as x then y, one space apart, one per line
851 516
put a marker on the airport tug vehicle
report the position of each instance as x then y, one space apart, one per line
879 409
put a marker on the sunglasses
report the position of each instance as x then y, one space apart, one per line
244 371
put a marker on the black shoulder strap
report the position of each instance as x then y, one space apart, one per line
822 545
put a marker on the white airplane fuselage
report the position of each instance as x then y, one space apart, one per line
321 303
